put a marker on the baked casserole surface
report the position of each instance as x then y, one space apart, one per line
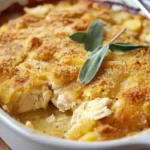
39 67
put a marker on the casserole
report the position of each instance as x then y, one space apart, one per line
21 110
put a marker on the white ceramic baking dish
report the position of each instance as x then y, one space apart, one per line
18 137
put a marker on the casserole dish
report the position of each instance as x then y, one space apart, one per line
39 141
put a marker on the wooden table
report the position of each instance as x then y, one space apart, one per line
3 145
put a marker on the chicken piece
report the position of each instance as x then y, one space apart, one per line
64 99
85 116
95 110
68 97
24 93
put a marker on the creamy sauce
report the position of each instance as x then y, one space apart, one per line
49 121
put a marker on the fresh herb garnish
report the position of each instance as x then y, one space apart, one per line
92 64
92 38
92 42
94 35
124 47
78 37
94 60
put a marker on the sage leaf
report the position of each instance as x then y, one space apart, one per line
94 35
124 47
92 40
78 37
92 64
